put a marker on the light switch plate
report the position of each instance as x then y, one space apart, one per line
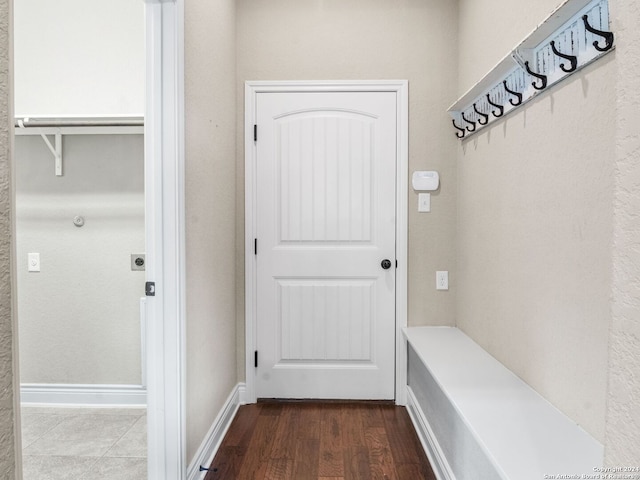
424 202
33 262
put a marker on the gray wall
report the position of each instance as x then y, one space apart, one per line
80 315
545 227
211 114
7 334
368 40
210 212
535 224
622 440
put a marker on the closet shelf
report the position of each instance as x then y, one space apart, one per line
59 126
128 121
572 37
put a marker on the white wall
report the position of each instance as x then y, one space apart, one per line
210 210
79 57
368 40
8 368
79 316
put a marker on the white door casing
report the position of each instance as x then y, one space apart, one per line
165 239
327 207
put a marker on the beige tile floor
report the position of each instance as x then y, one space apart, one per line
84 443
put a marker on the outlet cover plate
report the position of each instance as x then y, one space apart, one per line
137 261
442 280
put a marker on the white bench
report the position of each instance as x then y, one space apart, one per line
479 421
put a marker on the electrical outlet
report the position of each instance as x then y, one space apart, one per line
442 280
137 261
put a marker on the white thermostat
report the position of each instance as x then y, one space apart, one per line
425 181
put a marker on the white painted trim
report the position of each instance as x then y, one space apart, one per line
243 393
212 441
402 238
428 439
77 395
80 131
401 88
143 342
250 271
165 239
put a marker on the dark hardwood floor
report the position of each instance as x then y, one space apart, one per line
321 441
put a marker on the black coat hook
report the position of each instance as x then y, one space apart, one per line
499 107
485 118
514 93
573 59
458 128
608 36
542 78
469 122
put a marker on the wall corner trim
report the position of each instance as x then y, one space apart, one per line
212 441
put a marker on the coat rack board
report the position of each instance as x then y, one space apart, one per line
573 36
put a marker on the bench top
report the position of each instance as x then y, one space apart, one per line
525 435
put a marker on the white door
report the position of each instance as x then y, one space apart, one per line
325 186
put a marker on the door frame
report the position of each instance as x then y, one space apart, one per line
165 239
165 243
401 89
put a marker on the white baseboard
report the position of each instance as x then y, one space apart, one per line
242 391
85 395
209 446
429 442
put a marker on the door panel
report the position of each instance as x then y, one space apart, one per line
326 218
325 168
325 320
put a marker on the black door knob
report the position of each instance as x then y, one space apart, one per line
386 264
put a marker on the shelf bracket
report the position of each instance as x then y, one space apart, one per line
56 151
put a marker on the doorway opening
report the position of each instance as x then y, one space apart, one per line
286 324
82 335
79 71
